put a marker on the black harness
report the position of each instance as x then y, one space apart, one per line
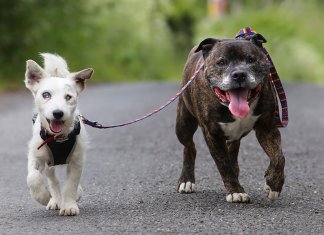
61 148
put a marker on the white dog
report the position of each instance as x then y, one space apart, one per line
58 135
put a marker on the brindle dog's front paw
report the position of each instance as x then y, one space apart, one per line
238 197
186 187
272 195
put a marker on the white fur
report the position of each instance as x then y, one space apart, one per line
227 80
272 195
59 82
55 65
238 197
187 187
235 130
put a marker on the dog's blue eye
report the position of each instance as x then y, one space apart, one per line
68 97
46 95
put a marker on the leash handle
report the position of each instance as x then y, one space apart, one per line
274 77
275 80
100 126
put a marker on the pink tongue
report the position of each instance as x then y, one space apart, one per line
239 105
56 126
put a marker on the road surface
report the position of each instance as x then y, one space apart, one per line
131 173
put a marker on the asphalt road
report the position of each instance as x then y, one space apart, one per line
131 173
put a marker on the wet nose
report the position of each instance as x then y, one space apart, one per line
239 76
58 114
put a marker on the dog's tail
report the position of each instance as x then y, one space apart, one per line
55 65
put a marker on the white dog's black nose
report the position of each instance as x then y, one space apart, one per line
239 76
58 114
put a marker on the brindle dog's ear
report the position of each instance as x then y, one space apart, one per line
258 39
206 45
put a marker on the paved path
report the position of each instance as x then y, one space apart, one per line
131 172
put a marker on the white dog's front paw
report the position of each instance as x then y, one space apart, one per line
272 195
53 204
69 209
186 187
238 197
37 188
42 196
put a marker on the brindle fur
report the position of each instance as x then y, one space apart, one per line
198 106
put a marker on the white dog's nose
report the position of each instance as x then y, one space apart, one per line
58 114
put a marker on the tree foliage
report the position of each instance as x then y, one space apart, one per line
139 39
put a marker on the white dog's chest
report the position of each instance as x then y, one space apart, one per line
235 130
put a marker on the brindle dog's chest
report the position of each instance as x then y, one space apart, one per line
240 127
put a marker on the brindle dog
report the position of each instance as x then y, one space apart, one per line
229 98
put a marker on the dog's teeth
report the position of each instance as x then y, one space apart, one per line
228 96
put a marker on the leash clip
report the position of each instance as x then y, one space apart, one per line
89 123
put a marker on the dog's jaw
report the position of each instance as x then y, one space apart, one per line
238 100
64 127
56 126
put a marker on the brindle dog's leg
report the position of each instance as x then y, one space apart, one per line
186 126
226 161
270 141
233 150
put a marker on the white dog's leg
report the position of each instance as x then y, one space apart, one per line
36 182
54 187
70 190
79 193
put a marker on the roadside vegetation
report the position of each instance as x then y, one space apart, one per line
130 40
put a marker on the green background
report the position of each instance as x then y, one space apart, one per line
129 40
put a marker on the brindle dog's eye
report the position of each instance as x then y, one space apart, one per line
68 97
250 59
221 62
46 95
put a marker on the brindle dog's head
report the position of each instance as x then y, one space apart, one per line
236 70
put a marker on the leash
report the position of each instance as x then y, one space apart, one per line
100 126
273 76
275 80
50 139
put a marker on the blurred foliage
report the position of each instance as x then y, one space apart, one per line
136 39
293 29
32 26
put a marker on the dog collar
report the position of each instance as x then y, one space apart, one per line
275 81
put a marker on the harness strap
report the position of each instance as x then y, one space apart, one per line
50 139
275 80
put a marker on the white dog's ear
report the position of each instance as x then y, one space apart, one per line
81 77
34 73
